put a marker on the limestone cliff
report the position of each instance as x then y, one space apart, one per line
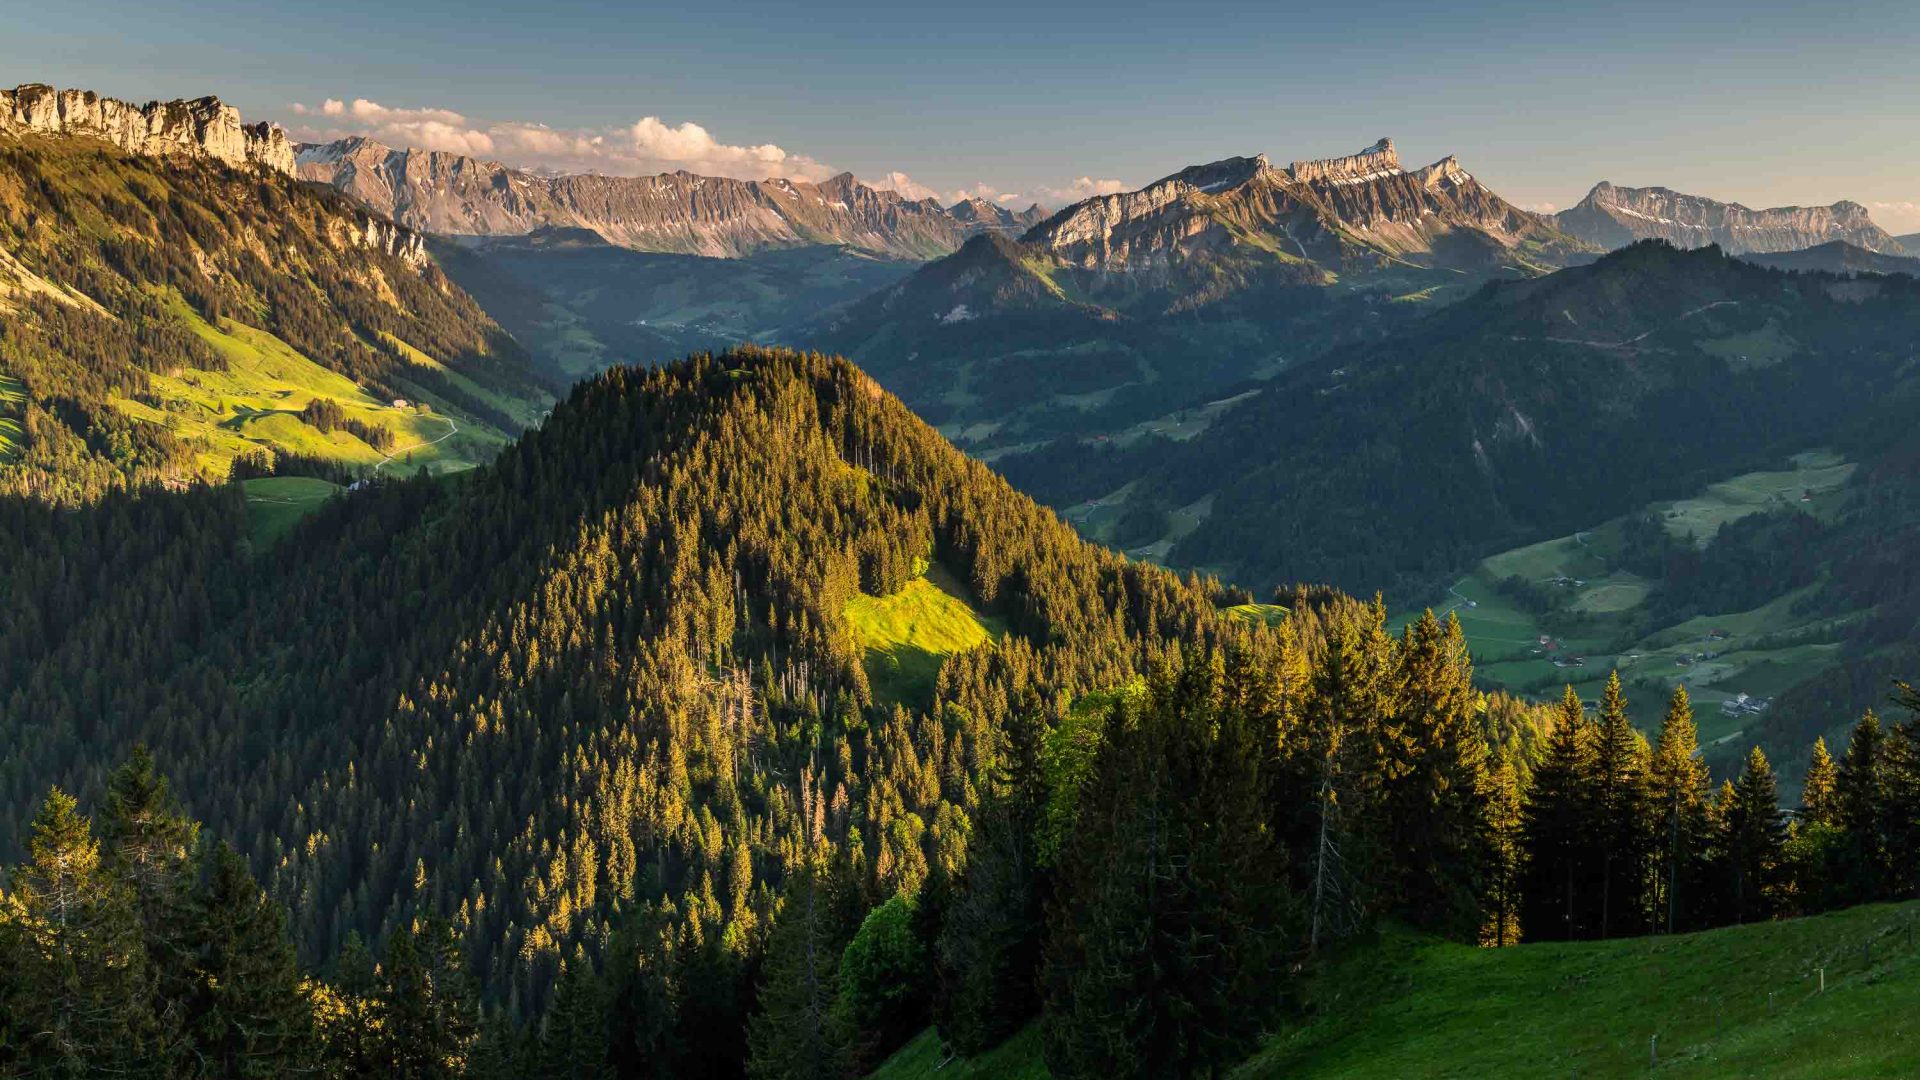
203 127
1613 217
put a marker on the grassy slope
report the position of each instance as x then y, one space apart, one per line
1404 1008
255 403
907 635
275 504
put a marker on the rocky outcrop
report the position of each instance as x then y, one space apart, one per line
1613 217
203 127
1343 218
677 212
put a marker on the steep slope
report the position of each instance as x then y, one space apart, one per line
1125 308
1839 257
677 212
164 313
613 666
1613 217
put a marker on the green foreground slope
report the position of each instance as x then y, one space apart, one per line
1404 1007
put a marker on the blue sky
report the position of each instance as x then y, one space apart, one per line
1762 102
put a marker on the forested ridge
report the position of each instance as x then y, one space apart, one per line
106 253
581 747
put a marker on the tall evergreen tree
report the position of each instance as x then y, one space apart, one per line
1166 936
1559 873
1819 797
1620 815
1506 844
429 1018
798 1033
1755 842
247 1015
1863 868
1433 755
1678 791
74 989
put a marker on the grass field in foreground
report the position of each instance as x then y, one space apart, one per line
1410 1008
907 635
275 504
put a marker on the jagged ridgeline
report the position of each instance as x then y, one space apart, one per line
171 299
612 669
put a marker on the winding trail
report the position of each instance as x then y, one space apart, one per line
1637 338
452 430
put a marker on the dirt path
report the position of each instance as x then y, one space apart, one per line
1637 338
452 430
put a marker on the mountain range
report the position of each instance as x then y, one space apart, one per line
676 212
1613 217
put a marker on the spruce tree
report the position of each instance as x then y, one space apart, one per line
798 1033
247 1015
1434 761
1819 798
1755 842
1864 867
1558 877
1165 940
75 980
1677 798
428 1015
1620 821
1506 844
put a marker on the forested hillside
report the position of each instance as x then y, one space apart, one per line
161 317
608 675
584 745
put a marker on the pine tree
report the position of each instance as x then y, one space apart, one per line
147 844
1678 791
798 1033
1558 820
1755 842
574 1039
1620 815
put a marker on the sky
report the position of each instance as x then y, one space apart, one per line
1764 102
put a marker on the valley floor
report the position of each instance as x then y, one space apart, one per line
1743 1001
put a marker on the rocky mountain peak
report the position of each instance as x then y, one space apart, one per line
1375 162
203 127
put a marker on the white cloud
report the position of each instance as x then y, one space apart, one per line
904 184
1897 217
649 145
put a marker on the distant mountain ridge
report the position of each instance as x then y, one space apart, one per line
1838 257
203 127
1331 217
1613 217
675 213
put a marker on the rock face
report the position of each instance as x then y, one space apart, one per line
675 212
203 127
1613 217
1328 219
